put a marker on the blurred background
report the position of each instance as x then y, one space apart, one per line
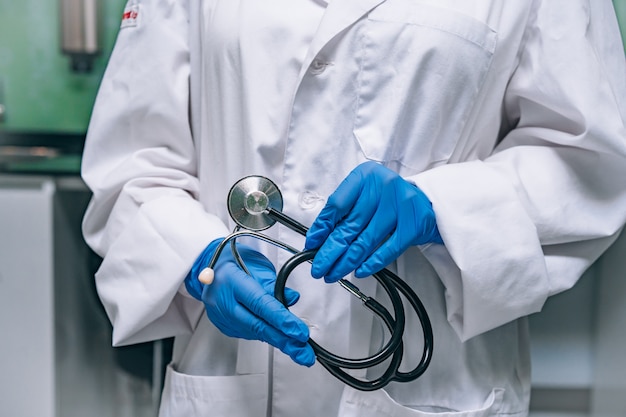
55 354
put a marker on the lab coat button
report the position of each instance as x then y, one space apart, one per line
308 200
318 66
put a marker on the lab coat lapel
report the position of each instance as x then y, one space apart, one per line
339 15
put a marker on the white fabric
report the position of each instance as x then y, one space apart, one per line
508 114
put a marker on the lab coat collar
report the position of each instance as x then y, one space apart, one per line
339 15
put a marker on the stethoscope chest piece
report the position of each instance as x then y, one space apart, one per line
249 200
255 203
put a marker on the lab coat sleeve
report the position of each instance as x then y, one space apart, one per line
525 222
139 161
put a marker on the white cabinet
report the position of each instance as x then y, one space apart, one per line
26 299
56 358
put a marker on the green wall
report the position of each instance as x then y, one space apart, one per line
620 8
37 87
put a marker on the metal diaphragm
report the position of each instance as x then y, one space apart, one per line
250 198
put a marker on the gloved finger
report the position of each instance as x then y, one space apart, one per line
339 204
237 323
265 273
243 323
413 228
344 235
270 310
333 248
348 262
300 352
248 326
376 232
291 296
388 252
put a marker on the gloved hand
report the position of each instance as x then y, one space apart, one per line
370 220
243 306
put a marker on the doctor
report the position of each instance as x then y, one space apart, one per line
498 124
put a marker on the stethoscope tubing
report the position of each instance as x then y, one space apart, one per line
396 327
393 285
335 364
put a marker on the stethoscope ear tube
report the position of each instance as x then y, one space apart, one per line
335 364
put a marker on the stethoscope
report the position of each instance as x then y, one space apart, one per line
255 204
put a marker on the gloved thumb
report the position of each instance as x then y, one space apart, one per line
291 296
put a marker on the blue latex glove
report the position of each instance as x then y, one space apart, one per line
243 306
369 221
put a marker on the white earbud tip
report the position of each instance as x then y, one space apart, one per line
206 276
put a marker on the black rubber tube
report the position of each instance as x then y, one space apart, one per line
394 348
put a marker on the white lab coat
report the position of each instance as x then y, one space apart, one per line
508 114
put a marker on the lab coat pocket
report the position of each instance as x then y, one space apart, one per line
421 69
379 404
216 396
